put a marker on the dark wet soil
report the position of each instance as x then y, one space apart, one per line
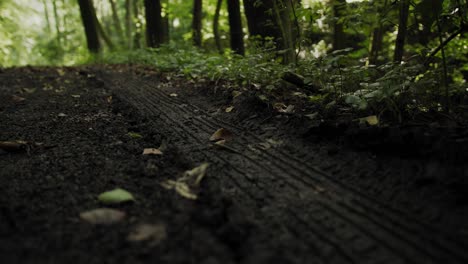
284 189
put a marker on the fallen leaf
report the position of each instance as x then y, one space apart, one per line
47 87
155 233
229 109
312 116
152 151
29 90
134 135
181 188
102 216
186 185
282 108
221 134
370 120
60 72
235 94
17 99
13 146
194 176
173 95
116 196
220 142
263 98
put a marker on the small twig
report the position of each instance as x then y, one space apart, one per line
444 43
444 64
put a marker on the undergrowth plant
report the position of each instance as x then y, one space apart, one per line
395 91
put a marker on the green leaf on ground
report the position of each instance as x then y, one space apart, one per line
134 135
115 196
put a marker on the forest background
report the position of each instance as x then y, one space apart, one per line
394 58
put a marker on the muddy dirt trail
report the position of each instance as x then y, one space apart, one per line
270 195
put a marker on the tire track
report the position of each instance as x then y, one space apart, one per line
335 200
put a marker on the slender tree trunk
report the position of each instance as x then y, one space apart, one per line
376 45
402 29
283 10
138 26
377 36
197 23
129 22
65 26
115 17
166 19
57 22
165 28
217 37
339 7
154 24
235 25
103 34
88 15
46 12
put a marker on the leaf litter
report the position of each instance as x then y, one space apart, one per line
221 134
187 186
103 216
153 233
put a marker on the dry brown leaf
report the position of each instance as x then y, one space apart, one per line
28 90
235 94
60 72
155 233
17 99
186 185
221 134
370 120
229 109
152 151
194 176
102 216
220 142
282 108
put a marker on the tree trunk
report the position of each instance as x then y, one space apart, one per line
89 23
376 45
402 29
217 37
166 22
129 22
103 33
260 19
339 7
283 10
235 25
197 23
154 24
46 12
115 17
57 22
137 27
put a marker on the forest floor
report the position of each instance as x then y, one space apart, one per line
279 189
